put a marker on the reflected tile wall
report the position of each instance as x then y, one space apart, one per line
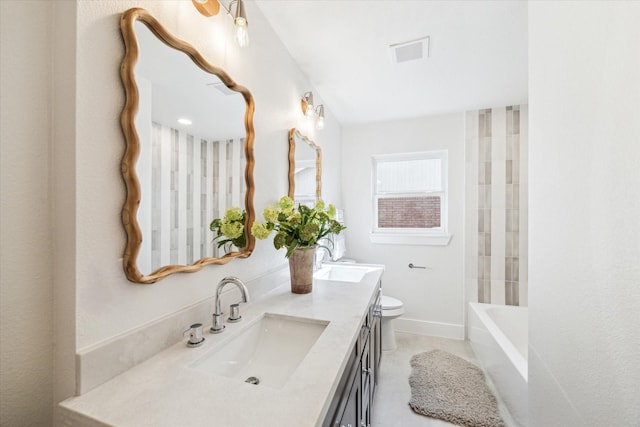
192 179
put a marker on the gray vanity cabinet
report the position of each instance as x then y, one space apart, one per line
375 345
352 403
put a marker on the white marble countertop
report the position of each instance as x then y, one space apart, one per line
166 391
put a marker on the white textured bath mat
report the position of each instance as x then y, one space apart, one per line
447 387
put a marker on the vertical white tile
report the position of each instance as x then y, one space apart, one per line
497 265
498 220
498 132
497 292
498 121
182 199
498 201
165 196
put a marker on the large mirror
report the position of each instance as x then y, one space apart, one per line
305 169
189 153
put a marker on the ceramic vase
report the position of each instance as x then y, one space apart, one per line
301 269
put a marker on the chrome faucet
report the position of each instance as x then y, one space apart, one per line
218 323
321 252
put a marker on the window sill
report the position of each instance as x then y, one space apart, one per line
411 239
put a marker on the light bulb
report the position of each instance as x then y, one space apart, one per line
310 112
320 114
242 35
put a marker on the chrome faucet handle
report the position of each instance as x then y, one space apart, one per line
195 335
234 313
218 324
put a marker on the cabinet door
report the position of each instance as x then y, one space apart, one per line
376 341
350 416
374 353
365 384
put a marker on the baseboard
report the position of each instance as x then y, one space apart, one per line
435 329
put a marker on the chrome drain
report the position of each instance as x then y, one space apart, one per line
253 380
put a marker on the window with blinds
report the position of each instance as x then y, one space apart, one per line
410 193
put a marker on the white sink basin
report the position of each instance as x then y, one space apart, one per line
269 350
340 273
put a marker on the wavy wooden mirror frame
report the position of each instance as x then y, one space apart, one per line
132 151
293 133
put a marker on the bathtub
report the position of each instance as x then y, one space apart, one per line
498 336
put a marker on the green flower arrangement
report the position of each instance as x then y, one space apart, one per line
296 227
230 229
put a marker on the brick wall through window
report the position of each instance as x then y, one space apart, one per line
409 212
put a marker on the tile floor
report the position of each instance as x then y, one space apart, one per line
391 403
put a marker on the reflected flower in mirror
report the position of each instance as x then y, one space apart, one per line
230 229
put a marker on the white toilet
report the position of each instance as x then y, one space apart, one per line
391 308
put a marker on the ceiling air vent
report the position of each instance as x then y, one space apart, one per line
410 51
221 87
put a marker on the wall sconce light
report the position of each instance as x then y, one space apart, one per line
241 23
320 119
312 112
307 104
212 7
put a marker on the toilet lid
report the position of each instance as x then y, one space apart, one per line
389 303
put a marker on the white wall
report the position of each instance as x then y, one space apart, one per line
433 298
584 292
26 313
65 171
